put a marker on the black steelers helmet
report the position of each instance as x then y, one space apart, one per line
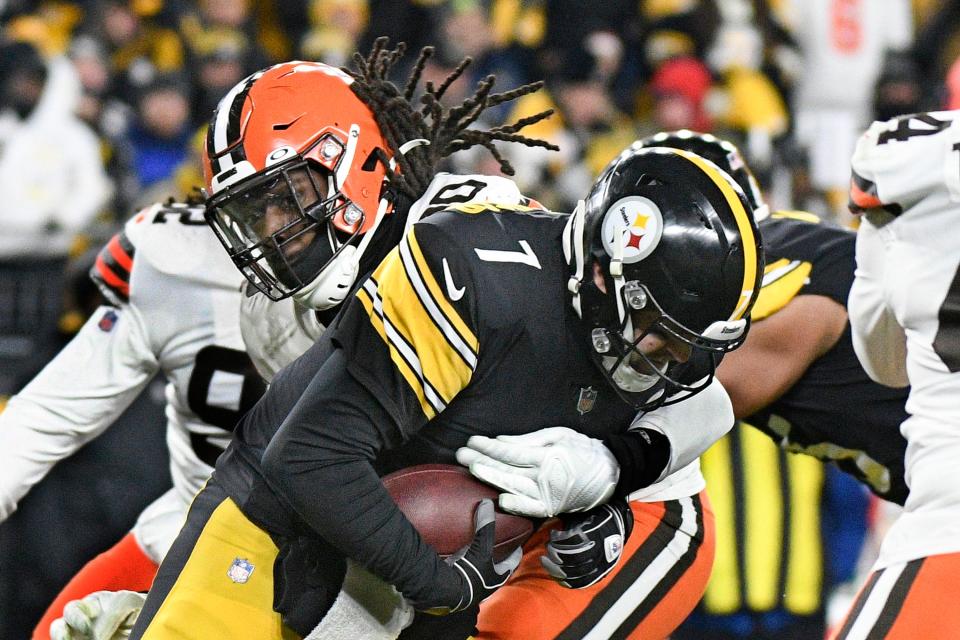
674 239
722 153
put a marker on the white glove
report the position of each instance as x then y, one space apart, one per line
544 473
102 615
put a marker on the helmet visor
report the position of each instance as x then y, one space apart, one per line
276 228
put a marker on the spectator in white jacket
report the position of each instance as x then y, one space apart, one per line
52 175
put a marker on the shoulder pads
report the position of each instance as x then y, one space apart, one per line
172 239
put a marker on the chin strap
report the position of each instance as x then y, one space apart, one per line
332 285
573 253
616 274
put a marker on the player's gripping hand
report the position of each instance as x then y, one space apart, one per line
544 473
474 576
102 615
590 544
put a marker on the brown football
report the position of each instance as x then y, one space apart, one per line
440 500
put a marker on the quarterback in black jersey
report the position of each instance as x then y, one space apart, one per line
487 320
467 328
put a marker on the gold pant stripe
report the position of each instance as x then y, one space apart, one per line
206 603
723 591
763 526
804 569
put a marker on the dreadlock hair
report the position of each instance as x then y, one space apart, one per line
445 129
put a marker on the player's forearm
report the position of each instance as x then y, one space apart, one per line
39 428
34 436
320 462
344 501
53 416
878 340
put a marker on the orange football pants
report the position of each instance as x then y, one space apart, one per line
907 601
122 566
661 576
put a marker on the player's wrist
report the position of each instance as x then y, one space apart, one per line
642 455
449 592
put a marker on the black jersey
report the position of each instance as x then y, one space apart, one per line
465 328
474 334
834 411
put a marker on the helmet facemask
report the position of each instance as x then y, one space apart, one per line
282 124
277 225
619 343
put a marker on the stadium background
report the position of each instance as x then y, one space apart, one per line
791 81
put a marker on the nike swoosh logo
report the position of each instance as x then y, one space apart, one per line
452 291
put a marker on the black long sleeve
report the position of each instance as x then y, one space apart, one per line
320 462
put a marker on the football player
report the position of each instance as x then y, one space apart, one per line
797 379
192 254
797 388
173 300
273 322
906 330
471 309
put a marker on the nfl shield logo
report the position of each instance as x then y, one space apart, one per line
240 570
107 321
613 547
585 402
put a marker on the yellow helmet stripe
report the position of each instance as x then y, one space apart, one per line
742 217
782 281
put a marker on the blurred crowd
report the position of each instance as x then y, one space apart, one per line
104 100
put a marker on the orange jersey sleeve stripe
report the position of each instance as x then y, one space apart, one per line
112 279
124 259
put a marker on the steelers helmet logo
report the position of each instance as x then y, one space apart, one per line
636 224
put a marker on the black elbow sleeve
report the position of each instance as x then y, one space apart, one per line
642 454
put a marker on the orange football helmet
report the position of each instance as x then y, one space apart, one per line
296 173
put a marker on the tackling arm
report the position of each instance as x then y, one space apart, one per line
320 462
72 400
368 397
